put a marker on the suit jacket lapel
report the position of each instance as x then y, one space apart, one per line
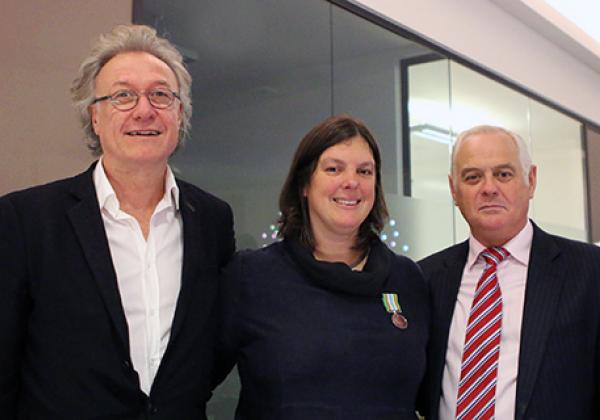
545 280
444 288
87 223
196 243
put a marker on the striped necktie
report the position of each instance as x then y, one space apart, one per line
479 367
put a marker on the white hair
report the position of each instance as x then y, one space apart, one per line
122 39
524 156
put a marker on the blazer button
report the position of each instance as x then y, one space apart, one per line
126 364
151 408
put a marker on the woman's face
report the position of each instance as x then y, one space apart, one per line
341 191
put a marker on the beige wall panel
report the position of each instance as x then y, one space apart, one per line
593 159
43 43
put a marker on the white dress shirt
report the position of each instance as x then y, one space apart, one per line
148 271
512 277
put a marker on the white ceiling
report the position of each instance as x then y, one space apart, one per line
563 32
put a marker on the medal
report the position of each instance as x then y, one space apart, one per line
391 304
399 321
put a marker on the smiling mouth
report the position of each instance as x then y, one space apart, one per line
144 133
346 202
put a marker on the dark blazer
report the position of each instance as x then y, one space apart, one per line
559 360
64 350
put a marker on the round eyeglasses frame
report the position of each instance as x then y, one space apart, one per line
126 99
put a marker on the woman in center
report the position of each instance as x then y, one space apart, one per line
328 323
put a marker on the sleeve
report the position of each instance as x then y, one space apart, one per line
14 306
228 326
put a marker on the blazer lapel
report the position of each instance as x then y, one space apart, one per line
545 280
87 223
196 260
444 288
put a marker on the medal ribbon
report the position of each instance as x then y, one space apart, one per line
390 301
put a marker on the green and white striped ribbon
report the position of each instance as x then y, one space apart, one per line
390 301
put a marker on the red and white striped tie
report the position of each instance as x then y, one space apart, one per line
479 368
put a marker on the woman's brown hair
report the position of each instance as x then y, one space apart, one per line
294 222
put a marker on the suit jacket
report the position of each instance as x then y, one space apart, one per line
559 360
64 350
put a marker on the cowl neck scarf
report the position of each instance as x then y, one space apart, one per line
339 277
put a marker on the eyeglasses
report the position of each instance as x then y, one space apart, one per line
126 99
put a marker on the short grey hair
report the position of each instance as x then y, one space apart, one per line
524 156
122 39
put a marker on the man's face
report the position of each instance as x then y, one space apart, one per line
489 188
143 135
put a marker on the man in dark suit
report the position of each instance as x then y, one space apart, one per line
516 333
108 279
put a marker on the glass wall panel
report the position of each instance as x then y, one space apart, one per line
367 63
430 140
261 79
556 148
430 129
477 100
553 138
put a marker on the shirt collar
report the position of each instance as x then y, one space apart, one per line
171 197
107 198
519 247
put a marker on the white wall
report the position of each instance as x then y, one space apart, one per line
483 33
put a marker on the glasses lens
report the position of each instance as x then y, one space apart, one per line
160 98
124 99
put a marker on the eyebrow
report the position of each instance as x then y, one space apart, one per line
495 168
339 161
127 84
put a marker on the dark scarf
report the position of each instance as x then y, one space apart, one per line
338 277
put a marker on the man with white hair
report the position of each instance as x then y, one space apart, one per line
516 325
108 279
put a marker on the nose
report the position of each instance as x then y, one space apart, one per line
489 186
351 181
143 109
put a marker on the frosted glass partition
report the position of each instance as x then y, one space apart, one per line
366 83
477 100
259 84
430 129
430 137
560 198
437 116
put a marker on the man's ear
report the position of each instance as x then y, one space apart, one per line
532 178
94 118
180 115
